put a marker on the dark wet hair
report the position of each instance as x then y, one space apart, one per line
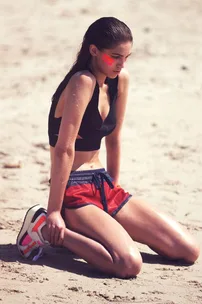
104 33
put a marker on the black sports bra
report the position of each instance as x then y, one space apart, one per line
93 128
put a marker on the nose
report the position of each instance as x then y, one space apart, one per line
121 62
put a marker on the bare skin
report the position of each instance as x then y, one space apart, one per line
103 241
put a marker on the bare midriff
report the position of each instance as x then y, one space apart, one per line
83 160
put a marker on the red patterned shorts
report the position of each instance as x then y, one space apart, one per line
94 187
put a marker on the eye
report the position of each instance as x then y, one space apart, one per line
115 57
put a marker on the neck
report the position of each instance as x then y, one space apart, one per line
100 77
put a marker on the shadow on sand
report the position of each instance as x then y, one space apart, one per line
63 259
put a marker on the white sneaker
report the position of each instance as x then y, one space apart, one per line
30 241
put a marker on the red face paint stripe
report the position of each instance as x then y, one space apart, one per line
106 58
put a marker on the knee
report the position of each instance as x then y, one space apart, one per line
188 251
192 253
128 264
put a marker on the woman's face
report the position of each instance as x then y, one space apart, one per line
111 61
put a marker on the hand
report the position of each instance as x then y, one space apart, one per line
56 228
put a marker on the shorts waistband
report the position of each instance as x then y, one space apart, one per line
86 174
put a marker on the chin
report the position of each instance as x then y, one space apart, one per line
113 74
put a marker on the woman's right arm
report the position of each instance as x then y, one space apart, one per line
77 96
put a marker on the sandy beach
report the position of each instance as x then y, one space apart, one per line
162 141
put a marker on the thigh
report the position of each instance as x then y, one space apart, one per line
100 226
145 225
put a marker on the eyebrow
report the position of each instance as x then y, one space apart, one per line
120 54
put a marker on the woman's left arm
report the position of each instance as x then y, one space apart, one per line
113 141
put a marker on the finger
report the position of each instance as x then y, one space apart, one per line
61 237
52 234
49 233
56 237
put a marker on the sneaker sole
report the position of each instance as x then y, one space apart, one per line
27 220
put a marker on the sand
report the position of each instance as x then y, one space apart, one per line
162 141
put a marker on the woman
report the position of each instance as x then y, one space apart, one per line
88 212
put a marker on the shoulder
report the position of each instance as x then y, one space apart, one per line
123 80
83 79
80 87
124 75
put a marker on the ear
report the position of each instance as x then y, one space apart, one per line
93 50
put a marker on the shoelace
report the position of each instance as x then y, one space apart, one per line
38 255
98 180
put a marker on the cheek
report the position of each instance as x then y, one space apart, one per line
107 60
